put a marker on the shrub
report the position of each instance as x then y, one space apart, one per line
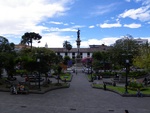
135 85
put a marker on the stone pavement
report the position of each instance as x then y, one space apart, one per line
79 98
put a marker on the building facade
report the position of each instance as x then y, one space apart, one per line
139 41
84 52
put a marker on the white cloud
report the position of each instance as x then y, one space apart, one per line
145 2
138 0
106 25
54 40
102 9
107 41
58 23
142 13
53 22
91 26
133 25
54 29
72 29
128 0
19 16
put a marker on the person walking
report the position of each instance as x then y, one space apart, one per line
76 72
126 111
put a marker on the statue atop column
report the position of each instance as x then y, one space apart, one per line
78 42
78 34
78 56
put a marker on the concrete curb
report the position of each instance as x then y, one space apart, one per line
40 91
123 95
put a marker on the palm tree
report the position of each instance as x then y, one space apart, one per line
28 38
67 45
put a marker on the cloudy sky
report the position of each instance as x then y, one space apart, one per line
100 21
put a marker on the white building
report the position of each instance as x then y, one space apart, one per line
139 41
84 52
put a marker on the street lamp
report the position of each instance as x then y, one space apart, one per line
127 66
127 71
91 71
38 60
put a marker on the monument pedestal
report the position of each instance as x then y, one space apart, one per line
78 62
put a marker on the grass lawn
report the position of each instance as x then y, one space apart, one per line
89 76
121 90
66 76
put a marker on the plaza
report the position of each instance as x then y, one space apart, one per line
80 97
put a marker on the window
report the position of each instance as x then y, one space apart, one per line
66 54
88 54
58 53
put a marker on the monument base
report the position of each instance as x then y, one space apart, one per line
78 62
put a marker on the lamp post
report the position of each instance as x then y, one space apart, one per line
127 66
39 77
127 71
91 71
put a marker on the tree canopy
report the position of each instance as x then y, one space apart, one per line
28 38
142 60
5 46
122 50
67 45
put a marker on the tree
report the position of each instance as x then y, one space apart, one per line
67 45
9 63
37 60
5 46
66 59
101 60
123 49
59 69
28 38
7 56
143 58
97 55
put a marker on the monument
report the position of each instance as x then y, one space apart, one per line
78 56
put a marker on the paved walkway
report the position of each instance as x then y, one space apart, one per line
79 98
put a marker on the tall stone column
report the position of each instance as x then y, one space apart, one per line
78 43
78 57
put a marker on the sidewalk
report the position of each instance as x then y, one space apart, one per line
80 97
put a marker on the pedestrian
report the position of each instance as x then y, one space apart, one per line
65 80
145 81
104 84
76 72
48 81
139 94
126 111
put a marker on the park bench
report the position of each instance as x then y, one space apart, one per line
15 90
35 79
23 91
119 80
109 83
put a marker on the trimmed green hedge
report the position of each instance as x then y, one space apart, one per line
135 74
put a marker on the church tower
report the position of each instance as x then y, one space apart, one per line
46 46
